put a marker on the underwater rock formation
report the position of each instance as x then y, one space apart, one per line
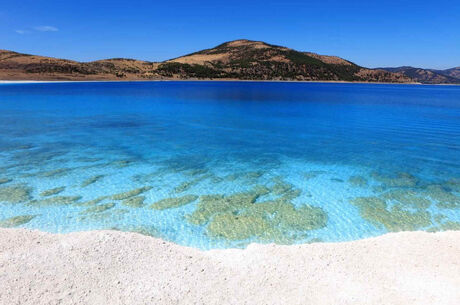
114 215
450 225
281 187
134 202
50 174
53 191
132 193
445 199
209 205
99 208
453 184
313 174
16 221
394 219
400 180
240 217
188 184
357 181
5 180
93 201
407 197
169 203
15 193
57 200
237 227
91 180
120 163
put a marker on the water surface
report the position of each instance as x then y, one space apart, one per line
221 164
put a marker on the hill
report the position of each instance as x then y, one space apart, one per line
429 76
239 59
256 60
17 66
453 72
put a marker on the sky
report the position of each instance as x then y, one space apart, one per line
370 33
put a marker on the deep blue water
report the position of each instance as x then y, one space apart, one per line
342 149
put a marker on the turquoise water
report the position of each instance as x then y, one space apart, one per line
222 164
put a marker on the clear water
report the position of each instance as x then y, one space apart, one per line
342 149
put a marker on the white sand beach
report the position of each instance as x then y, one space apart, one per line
110 267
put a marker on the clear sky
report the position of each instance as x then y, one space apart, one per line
370 33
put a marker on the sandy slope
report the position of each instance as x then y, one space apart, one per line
109 267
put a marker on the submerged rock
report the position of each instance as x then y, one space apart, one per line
315 240
115 215
5 180
195 172
304 218
16 221
439 218
54 191
285 215
134 202
93 201
254 175
408 198
99 208
89 159
450 225
15 193
400 180
313 174
239 216
169 203
210 205
275 221
290 195
57 200
237 227
447 226
281 187
144 230
91 180
357 181
445 199
54 173
132 193
188 184
394 219
120 163
453 184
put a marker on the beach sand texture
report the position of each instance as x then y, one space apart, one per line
110 267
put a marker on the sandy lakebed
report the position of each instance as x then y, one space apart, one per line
111 267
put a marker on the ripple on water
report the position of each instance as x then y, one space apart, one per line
211 173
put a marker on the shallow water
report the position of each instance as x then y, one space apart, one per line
280 162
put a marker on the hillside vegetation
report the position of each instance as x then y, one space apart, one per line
239 60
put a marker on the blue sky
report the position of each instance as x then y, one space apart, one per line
369 33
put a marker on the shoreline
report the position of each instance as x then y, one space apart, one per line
210 80
113 267
207 80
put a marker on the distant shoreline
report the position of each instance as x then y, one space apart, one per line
237 60
209 80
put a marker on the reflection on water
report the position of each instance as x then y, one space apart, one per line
222 164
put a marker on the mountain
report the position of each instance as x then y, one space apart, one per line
239 59
453 72
429 76
17 66
256 60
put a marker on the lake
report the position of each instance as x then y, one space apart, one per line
223 164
